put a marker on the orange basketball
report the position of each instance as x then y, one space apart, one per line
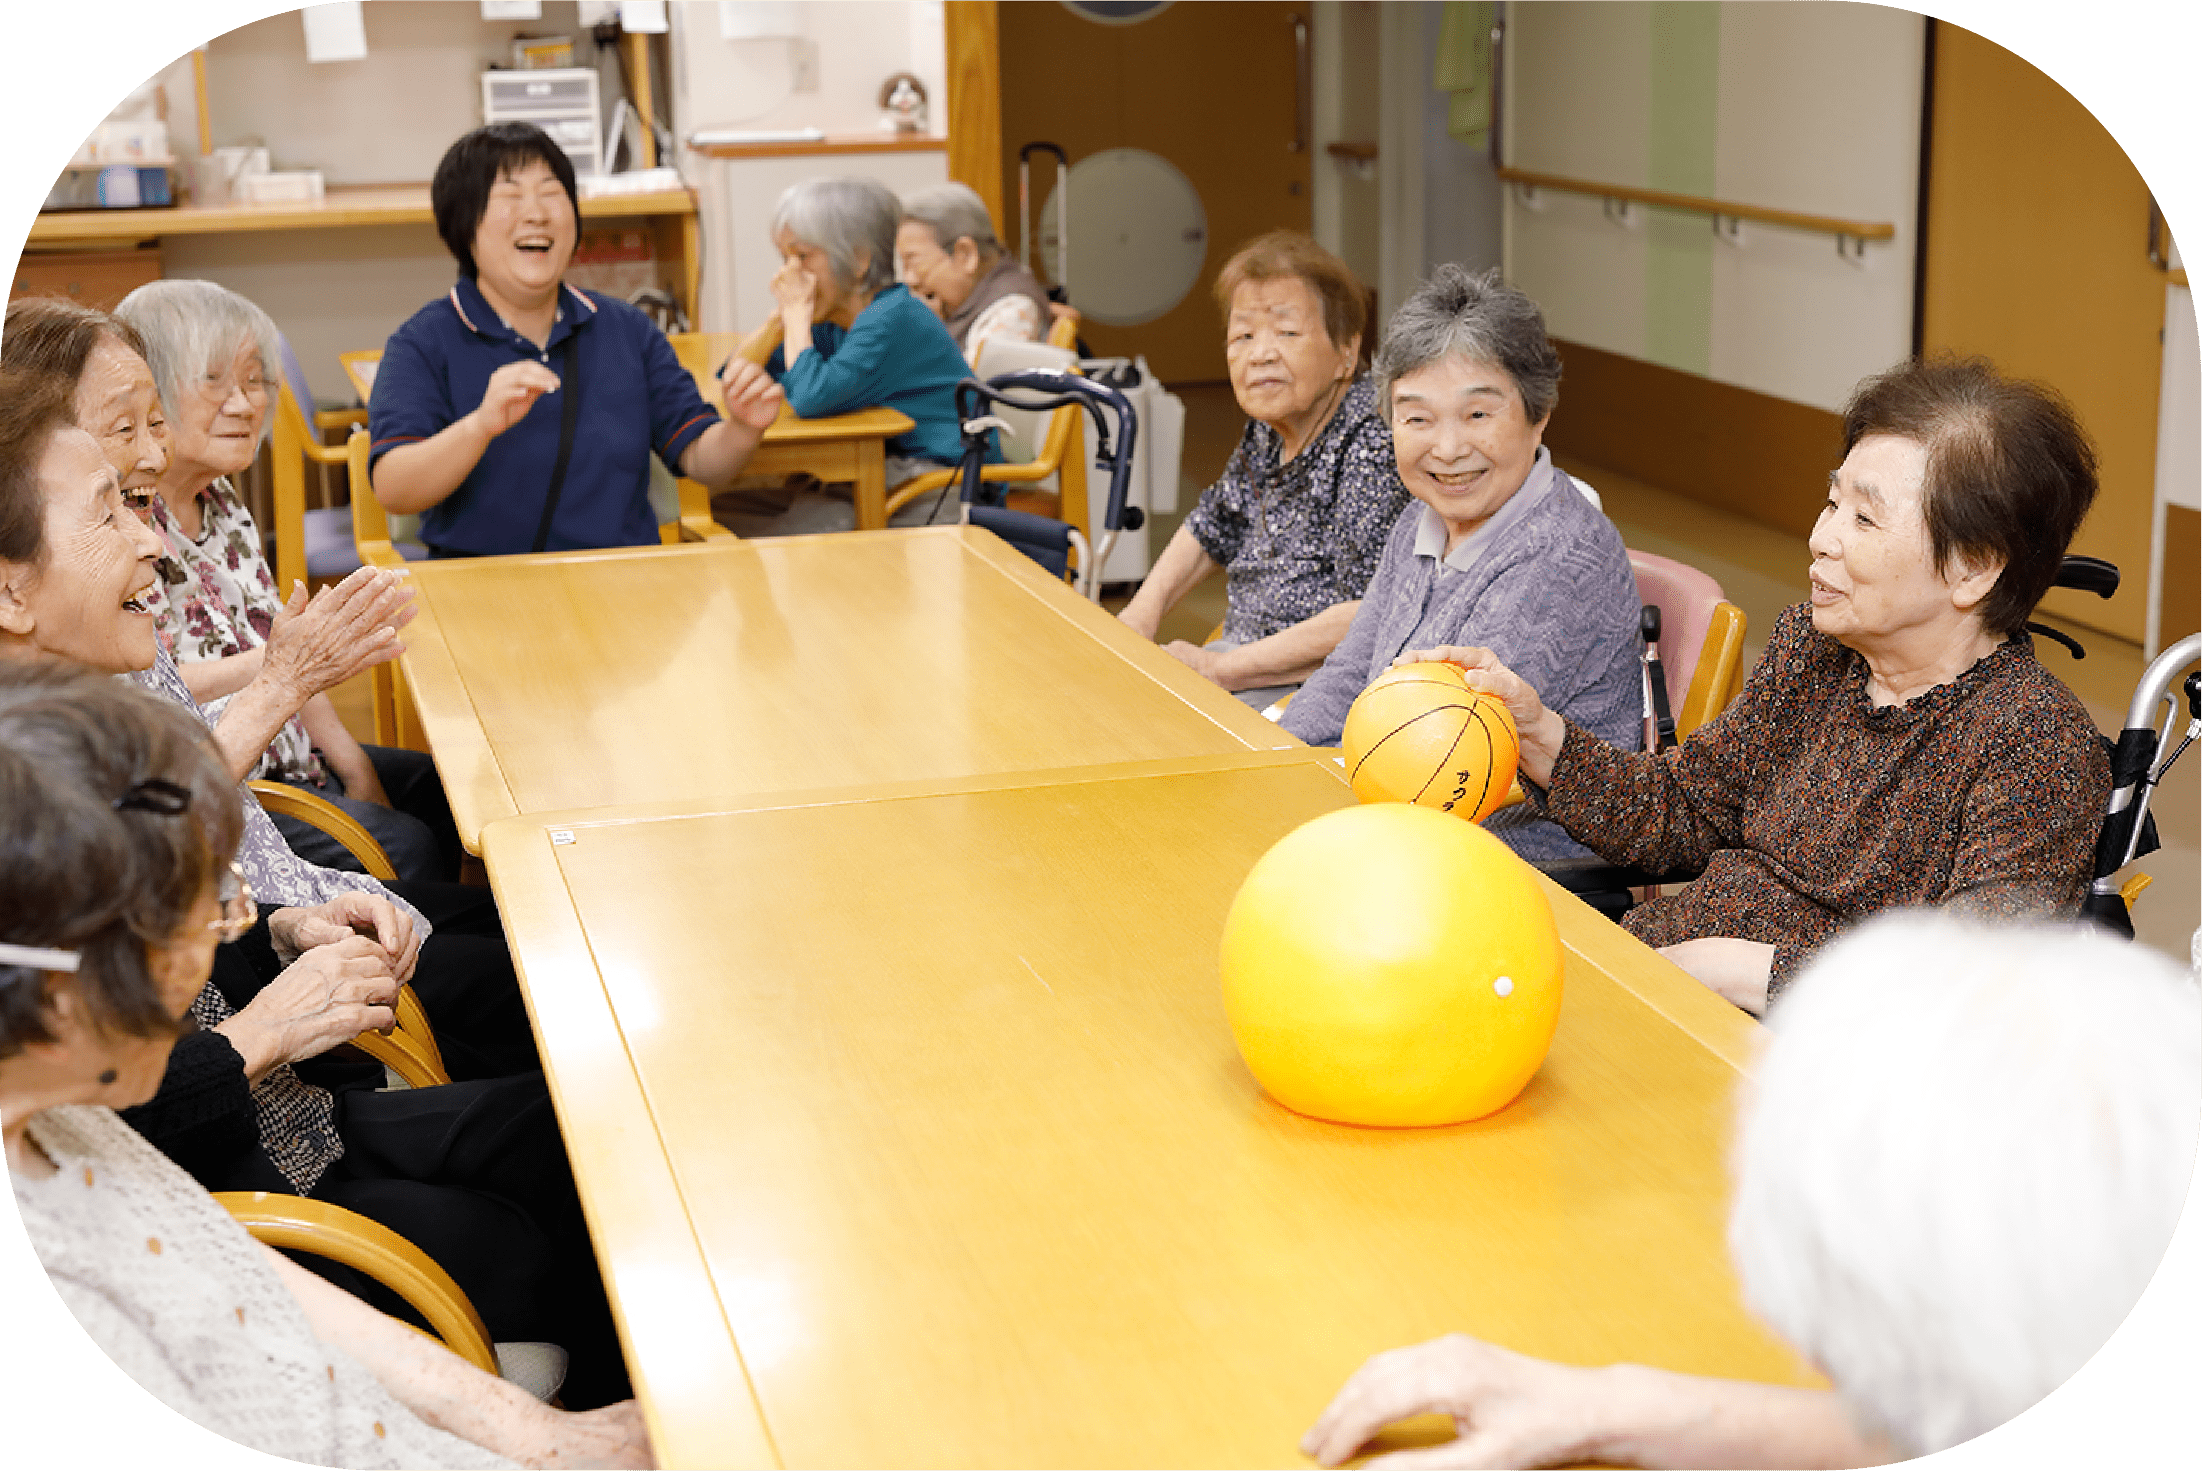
1383 964
1419 734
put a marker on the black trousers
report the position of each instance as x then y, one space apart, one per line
416 830
466 984
475 1175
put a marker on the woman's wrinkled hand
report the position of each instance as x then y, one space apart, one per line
1507 1409
795 289
613 1436
317 643
1542 731
325 998
512 390
295 931
752 397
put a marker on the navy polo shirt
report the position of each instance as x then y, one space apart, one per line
635 398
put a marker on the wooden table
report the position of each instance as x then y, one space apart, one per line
843 447
912 1132
703 671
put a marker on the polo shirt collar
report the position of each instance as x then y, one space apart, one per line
1429 535
574 310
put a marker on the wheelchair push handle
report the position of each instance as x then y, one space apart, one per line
1053 389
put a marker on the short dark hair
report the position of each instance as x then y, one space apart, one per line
2010 472
76 872
1294 255
33 407
471 167
1458 313
53 334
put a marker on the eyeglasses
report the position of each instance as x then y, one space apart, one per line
217 387
239 910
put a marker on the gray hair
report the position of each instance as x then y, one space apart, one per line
192 328
954 212
842 217
1961 1157
1459 314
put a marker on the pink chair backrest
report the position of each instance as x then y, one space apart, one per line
1684 597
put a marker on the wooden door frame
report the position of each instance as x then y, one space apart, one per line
973 30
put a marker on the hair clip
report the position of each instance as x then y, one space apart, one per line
37 957
155 794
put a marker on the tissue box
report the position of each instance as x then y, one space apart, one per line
298 186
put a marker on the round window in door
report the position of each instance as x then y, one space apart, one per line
1138 236
1116 12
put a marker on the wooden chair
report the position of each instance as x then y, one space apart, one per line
296 802
295 440
298 1223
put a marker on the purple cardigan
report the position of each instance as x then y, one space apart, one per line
1552 595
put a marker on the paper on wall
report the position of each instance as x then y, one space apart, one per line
750 20
638 17
335 32
513 10
597 12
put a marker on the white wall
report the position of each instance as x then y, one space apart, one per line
856 45
1816 110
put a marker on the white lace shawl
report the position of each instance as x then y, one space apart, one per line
175 1292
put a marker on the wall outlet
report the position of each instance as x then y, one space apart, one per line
802 64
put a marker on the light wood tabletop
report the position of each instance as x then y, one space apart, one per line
842 447
958 1164
580 679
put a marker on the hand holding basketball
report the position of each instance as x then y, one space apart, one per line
1541 730
1419 734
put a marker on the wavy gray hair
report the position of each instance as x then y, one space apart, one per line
954 212
1960 1158
192 329
1457 313
842 217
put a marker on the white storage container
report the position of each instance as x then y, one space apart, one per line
562 102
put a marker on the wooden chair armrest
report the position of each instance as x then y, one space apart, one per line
402 1056
910 490
331 819
339 418
413 1022
703 528
296 1223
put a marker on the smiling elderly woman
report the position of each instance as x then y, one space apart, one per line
1897 742
952 261
1504 550
852 338
519 413
1298 518
116 888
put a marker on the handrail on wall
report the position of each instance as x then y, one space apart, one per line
1843 230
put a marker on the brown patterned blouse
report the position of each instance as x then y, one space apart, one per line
1808 808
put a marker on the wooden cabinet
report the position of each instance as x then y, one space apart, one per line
94 277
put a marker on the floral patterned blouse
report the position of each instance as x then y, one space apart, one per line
218 598
1297 538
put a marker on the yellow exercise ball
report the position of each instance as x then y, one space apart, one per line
1419 734
1387 964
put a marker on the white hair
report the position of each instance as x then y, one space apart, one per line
193 329
954 212
842 217
1960 1159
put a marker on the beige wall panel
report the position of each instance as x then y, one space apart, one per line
1818 113
1585 271
1579 89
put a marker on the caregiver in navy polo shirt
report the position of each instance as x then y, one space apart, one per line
470 402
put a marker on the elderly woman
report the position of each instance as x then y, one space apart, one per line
1947 1235
209 354
952 261
1504 549
459 434
851 338
465 973
1897 743
116 887
1299 518
474 1172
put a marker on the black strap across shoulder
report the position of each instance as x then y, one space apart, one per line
569 384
